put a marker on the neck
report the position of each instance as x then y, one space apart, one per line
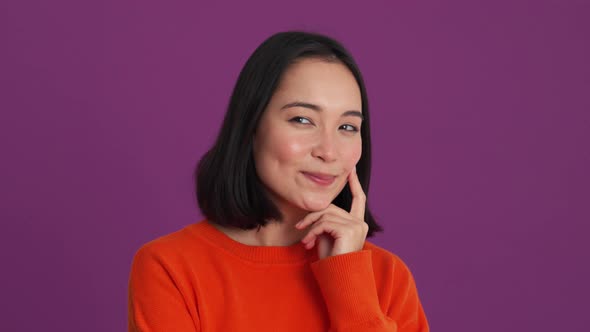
275 233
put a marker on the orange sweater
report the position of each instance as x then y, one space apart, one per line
199 279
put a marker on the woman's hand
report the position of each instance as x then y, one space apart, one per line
346 232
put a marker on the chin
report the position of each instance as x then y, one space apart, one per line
316 205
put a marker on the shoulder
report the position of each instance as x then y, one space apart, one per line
169 248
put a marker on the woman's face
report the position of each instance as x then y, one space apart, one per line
308 139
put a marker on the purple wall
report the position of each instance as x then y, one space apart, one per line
481 129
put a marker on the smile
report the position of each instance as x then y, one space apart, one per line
320 179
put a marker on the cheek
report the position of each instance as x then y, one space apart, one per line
352 156
280 150
291 151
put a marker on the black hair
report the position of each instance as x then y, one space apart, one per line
229 191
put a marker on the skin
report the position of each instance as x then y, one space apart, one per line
292 139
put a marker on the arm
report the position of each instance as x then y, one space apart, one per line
155 300
348 287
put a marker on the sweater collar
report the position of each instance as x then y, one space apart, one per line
295 253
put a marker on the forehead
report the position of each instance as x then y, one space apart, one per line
328 84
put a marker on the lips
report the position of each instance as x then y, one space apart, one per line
320 178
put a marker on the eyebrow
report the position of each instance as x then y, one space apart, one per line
317 108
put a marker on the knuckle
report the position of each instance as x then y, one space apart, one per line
319 223
361 226
365 227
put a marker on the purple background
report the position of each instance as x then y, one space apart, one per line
481 140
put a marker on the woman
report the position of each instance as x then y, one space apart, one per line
283 246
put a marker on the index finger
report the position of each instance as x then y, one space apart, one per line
357 208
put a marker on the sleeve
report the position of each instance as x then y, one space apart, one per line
348 287
155 301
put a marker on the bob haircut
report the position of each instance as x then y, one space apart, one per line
229 191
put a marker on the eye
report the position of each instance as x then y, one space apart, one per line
300 119
350 128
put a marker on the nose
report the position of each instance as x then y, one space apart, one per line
325 147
